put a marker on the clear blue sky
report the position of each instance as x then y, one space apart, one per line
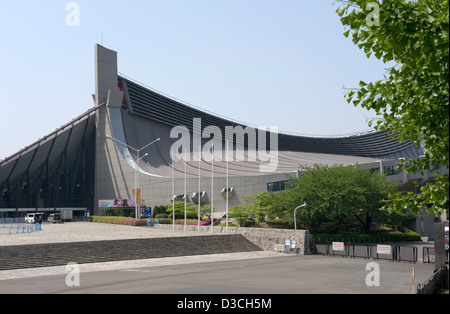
273 63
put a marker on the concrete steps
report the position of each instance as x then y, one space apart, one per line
57 254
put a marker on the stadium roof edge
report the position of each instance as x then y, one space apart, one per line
358 133
44 139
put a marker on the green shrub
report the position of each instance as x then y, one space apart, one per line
280 224
179 214
120 211
158 210
224 224
165 221
119 220
373 237
112 212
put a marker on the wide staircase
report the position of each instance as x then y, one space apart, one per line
57 254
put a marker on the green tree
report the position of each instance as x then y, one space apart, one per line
337 193
251 210
412 100
191 210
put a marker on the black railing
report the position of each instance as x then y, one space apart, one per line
372 251
435 283
428 255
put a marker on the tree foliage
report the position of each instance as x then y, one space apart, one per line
191 210
250 210
412 100
334 195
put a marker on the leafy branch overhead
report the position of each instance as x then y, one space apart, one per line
412 100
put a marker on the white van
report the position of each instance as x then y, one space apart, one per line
34 217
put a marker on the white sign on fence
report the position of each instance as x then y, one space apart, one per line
383 249
338 246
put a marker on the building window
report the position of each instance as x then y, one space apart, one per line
391 170
278 186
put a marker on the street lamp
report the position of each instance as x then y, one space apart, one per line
136 166
295 218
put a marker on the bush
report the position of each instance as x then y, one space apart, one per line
189 222
280 224
374 237
165 221
120 211
112 212
158 210
119 220
191 210
179 214
224 224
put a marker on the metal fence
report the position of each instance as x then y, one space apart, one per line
17 225
435 283
372 251
428 255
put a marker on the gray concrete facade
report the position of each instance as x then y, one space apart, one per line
161 179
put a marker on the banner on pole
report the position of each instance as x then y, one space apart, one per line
138 197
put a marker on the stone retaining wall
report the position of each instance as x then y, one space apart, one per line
265 238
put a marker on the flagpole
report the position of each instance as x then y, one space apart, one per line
212 189
185 196
199 188
227 185
173 195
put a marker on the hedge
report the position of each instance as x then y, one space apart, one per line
119 220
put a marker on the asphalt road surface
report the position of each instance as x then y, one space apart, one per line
227 273
235 274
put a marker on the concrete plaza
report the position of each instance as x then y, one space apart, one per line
231 273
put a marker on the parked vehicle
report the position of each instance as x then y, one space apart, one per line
67 214
55 218
34 218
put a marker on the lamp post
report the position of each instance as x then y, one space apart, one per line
295 217
136 166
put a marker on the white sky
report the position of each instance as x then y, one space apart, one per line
263 62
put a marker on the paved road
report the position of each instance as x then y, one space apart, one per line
232 273
240 273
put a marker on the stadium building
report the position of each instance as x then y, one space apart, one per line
135 136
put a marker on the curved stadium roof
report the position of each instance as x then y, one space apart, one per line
152 105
